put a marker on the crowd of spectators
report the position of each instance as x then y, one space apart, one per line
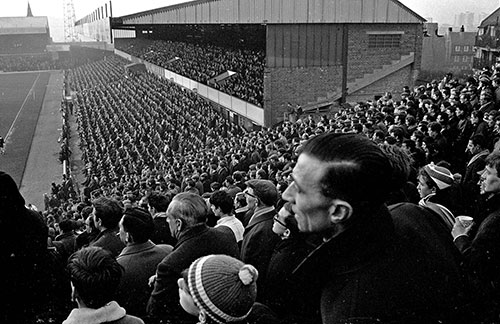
142 136
33 62
204 62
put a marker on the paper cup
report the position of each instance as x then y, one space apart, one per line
465 220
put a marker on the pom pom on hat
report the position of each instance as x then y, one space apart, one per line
223 287
440 175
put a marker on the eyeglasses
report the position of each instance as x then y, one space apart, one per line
277 220
246 192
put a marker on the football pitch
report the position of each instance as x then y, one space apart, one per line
21 98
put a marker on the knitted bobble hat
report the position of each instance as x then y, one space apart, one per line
440 175
223 287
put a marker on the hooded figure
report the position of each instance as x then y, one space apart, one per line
23 255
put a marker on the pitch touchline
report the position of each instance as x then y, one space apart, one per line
20 109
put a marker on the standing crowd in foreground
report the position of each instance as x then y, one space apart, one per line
344 220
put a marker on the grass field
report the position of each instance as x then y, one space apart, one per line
21 98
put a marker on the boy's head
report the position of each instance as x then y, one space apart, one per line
220 287
95 275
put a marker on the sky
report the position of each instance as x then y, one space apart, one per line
440 11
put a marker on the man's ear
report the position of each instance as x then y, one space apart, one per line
340 211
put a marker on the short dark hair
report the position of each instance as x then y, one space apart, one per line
108 210
435 127
221 199
357 171
478 139
139 223
95 274
237 176
158 201
493 160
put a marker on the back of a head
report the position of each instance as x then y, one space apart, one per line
10 197
401 165
479 139
95 274
189 207
67 225
358 170
108 210
139 223
158 201
223 200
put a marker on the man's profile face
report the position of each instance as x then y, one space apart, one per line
310 206
490 182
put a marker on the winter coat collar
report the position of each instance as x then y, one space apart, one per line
109 313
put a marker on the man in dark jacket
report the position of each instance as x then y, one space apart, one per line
65 243
259 239
482 252
139 259
157 204
107 213
23 256
478 149
363 269
186 216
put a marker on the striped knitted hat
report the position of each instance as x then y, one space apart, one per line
440 175
223 287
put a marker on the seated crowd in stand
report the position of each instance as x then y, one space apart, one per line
204 62
319 244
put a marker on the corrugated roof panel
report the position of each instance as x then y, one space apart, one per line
301 11
367 12
275 12
284 11
355 10
288 7
381 9
393 14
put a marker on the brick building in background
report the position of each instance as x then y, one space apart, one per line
487 43
451 52
460 51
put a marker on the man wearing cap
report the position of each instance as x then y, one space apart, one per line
186 216
259 239
482 251
363 268
139 259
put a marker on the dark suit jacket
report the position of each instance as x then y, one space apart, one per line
139 262
258 245
108 240
195 242
65 245
161 234
384 269
482 255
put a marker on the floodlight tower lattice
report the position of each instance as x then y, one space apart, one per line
70 34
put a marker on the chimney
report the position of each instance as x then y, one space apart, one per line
450 29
